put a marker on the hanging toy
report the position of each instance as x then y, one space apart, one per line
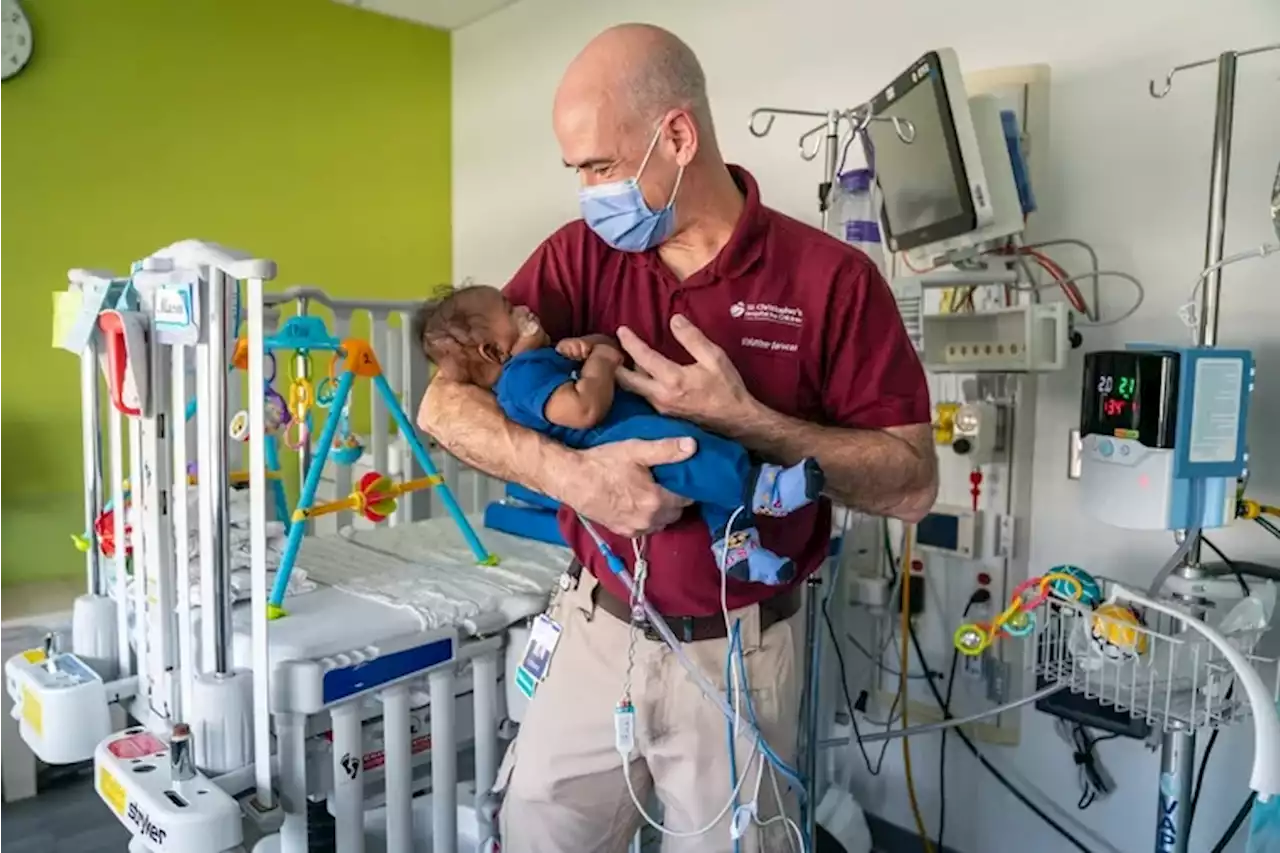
275 410
301 398
104 529
1019 618
346 448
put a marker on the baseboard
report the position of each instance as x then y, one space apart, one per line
891 838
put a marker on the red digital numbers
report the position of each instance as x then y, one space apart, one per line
1113 407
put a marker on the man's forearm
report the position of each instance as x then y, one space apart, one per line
869 470
467 422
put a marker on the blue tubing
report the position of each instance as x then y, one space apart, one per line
308 496
420 453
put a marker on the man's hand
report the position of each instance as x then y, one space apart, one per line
579 349
710 391
615 488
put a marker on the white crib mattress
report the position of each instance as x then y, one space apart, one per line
392 582
427 569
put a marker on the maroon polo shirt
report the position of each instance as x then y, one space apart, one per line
809 322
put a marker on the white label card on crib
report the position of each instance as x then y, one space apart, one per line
174 307
537 654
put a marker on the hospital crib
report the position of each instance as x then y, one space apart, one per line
391 656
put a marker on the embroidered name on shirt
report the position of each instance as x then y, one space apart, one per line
766 313
774 346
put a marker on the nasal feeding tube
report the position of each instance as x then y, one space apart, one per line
659 624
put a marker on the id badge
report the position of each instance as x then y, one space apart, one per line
536 659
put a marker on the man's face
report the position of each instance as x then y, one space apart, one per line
603 148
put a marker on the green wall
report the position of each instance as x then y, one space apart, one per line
306 131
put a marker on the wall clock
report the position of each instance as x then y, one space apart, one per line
15 39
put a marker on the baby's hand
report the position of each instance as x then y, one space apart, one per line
576 348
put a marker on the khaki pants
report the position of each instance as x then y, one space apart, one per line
562 778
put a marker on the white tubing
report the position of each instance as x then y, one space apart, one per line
1265 778
348 777
397 747
291 730
444 762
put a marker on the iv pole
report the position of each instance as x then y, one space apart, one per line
1178 746
858 118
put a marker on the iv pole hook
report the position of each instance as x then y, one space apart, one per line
1168 78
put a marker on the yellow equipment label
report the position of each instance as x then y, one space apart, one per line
111 791
33 655
32 713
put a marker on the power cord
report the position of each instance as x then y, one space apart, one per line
1236 823
1204 765
982 759
848 700
1235 570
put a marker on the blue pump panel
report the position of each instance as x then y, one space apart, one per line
1214 388
360 678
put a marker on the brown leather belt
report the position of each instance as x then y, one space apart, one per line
693 629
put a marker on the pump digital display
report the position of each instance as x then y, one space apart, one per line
1131 394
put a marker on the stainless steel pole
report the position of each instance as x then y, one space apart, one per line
813 637
1216 228
217 473
1177 770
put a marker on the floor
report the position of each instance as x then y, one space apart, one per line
67 817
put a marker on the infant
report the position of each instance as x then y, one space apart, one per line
568 392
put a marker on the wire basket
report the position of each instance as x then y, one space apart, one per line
1148 664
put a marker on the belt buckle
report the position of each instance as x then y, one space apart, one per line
650 633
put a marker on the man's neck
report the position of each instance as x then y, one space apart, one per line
714 206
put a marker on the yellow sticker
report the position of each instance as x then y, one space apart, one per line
66 311
32 713
111 791
33 656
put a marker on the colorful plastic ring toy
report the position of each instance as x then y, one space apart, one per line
1020 624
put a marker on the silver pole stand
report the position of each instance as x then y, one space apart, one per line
1178 747
216 395
858 119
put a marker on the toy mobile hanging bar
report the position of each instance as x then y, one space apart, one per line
141 331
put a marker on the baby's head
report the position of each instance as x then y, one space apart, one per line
470 334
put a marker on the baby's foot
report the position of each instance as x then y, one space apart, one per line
743 558
781 491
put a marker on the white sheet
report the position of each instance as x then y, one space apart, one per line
427 568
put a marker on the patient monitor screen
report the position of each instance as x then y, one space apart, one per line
920 186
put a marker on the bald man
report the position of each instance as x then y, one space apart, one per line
750 324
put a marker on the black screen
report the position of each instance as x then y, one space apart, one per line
939 531
1129 394
919 181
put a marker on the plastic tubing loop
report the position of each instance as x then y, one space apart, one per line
269 367
659 624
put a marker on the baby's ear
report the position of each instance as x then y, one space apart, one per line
491 353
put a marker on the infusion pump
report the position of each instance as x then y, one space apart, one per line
1163 434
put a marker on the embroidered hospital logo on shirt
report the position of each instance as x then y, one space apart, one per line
767 313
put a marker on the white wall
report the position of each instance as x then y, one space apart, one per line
1128 174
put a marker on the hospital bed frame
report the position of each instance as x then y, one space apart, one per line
212 729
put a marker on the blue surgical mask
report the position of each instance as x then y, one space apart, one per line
617 211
